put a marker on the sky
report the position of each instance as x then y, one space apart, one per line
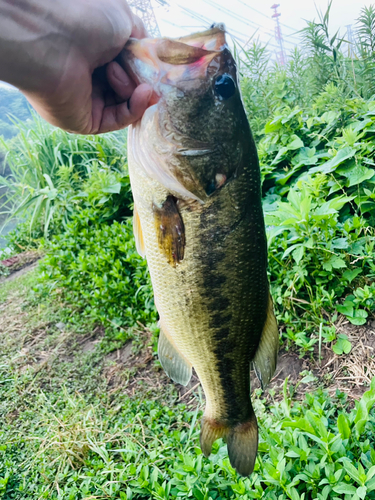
251 18
245 18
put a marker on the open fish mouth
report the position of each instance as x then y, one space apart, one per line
166 61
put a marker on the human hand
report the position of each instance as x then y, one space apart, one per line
60 54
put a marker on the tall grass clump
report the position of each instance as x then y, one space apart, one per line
53 171
364 52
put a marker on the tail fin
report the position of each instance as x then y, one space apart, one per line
210 431
242 441
243 446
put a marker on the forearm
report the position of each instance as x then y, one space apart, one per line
36 37
31 37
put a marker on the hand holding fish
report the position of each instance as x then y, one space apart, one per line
60 54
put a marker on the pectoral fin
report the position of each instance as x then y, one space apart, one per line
174 363
265 358
171 231
138 235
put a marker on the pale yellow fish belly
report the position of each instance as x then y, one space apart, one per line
183 314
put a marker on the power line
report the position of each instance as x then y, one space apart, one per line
235 16
196 16
249 23
176 25
221 8
208 22
263 14
201 18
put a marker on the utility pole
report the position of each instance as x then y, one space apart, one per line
144 10
281 57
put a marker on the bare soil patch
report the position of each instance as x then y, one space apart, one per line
20 264
133 367
350 373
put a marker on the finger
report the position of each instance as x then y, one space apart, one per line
122 115
139 30
120 82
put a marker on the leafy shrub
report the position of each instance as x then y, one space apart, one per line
319 183
23 238
95 266
315 258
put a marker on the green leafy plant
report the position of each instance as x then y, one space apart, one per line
342 346
4 271
95 266
355 315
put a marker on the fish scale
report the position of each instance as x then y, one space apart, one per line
199 222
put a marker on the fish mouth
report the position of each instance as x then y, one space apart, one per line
183 74
164 62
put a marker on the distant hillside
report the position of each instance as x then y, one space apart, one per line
12 102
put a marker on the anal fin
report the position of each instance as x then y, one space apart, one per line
265 358
174 363
138 235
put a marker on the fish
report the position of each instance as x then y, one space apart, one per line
198 221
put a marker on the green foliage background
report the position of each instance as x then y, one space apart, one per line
314 123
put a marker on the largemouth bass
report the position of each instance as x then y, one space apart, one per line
198 219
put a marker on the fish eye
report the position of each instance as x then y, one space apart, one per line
225 86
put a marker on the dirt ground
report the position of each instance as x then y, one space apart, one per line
20 264
129 367
350 373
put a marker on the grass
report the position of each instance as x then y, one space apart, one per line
78 425
54 397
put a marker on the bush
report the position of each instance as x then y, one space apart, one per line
316 259
319 186
95 267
